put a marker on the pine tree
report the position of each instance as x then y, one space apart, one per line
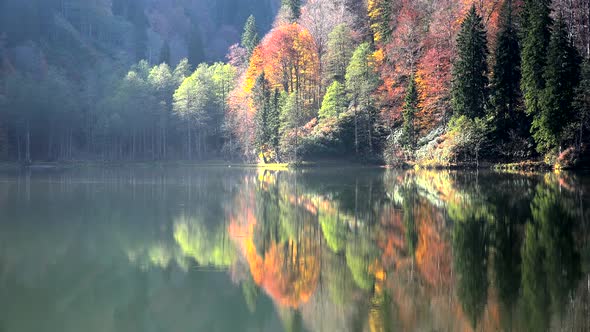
294 8
196 54
536 35
562 75
274 121
506 95
470 78
261 97
250 37
582 101
165 53
380 17
411 108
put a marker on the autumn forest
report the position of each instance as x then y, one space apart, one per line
397 82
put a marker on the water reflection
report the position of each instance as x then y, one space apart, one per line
321 250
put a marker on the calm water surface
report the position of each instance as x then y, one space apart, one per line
203 249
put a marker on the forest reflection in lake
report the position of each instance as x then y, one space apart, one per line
205 249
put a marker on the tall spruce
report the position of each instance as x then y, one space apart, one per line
274 121
535 40
381 15
261 97
470 79
562 75
582 101
411 108
506 94
165 53
250 37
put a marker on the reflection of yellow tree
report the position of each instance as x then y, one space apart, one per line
205 247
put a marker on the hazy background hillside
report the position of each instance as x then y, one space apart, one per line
76 34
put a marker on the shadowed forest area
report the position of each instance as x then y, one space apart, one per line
398 82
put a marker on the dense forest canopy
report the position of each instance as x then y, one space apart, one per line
390 81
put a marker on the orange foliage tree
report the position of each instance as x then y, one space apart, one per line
288 57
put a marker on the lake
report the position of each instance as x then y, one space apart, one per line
236 249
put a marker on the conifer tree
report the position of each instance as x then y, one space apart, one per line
470 78
274 121
411 108
261 97
250 37
582 101
535 40
506 95
380 17
165 53
562 75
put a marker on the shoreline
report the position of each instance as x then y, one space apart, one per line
522 166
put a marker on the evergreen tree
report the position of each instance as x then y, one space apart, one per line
582 101
536 35
196 53
561 76
261 97
339 52
274 120
250 37
335 101
506 95
380 17
411 108
470 78
165 53
294 8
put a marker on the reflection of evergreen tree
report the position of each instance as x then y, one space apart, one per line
535 299
507 264
411 234
552 213
470 247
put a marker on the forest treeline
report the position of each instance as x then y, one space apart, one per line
442 83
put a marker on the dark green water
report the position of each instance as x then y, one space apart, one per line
231 249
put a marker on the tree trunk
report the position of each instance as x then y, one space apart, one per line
28 143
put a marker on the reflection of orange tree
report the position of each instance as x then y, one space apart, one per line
287 270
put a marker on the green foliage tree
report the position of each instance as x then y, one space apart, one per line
551 126
506 95
470 80
339 52
190 101
410 110
250 37
535 41
361 81
335 101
